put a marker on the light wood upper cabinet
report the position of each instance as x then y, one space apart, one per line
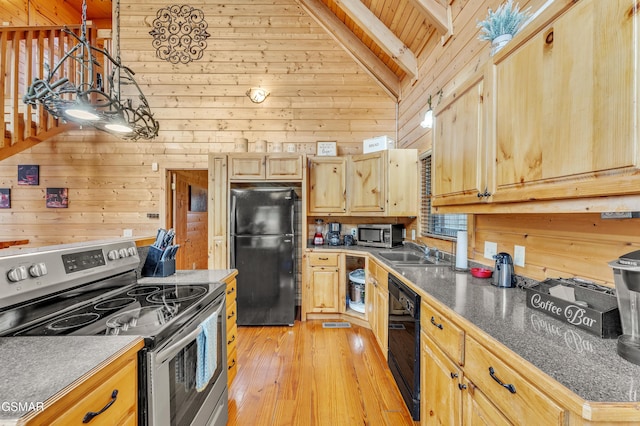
327 185
257 166
383 183
461 162
565 108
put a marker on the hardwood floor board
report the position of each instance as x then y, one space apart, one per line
308 375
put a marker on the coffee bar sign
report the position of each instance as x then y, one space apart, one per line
603 323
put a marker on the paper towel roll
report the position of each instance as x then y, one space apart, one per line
461 250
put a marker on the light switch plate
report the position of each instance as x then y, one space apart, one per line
490 249
518 255
413 234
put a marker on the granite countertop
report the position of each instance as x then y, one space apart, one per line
584 363
35 369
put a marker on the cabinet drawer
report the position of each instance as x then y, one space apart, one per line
232 366
124 381
323 259
446 334
232 313
517 398
231 293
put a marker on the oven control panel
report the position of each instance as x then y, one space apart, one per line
28 274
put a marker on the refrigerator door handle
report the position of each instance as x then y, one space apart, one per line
293 211
232 233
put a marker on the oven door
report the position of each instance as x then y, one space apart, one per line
172 395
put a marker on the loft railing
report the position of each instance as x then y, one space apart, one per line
25 53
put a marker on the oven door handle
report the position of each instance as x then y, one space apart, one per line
169 352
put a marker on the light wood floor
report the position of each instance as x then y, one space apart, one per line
309 375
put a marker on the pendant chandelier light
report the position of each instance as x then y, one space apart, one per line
91 98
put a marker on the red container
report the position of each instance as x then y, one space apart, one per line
481 272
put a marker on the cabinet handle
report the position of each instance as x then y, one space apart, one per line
323 258
231 315
233 364
91 414
231 290
509 386
433 321
462 386
484 194
454 375
233 338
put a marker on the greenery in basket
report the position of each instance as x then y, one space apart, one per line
505 20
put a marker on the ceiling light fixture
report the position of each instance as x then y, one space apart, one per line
75 91
257 94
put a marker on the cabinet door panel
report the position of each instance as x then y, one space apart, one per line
565 108
367 183
479 411
327 185
247 167
324 291
441 399
282 166
460 153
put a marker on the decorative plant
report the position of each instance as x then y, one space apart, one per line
505 20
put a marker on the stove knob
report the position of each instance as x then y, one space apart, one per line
123 253
38 270
17 274
113 255
132 251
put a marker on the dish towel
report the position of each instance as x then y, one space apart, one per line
206 342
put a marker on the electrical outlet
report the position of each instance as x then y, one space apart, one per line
518 256
490 249
404 232
354 232
413 234
127 233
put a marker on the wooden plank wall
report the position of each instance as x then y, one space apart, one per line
317 94
556 244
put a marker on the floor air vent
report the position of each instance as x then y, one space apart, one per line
336 325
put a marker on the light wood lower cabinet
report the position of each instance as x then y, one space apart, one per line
232 330
379 318
322 278
464 382
97 392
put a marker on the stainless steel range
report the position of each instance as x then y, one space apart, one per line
92 289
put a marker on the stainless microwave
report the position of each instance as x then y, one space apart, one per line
380 235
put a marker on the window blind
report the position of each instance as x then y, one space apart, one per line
445 225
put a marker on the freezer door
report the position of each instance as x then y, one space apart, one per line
262 211
266 279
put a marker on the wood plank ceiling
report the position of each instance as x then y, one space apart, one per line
384 36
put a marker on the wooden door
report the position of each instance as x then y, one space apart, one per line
440 396
565 107
191 218
324 290
367 177
460 155
327 185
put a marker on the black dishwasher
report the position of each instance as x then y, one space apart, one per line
404 342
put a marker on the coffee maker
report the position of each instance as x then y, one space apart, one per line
503 275
626 277
333 236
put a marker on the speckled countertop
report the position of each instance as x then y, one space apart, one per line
197 276
582 362
34 369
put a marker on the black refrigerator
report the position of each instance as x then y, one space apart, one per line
262 247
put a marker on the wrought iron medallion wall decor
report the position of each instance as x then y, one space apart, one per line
179 34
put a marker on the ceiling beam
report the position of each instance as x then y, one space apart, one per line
382 35
363 56
438 15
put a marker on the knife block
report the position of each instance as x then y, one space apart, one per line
154 266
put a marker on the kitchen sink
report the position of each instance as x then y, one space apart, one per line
409 258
